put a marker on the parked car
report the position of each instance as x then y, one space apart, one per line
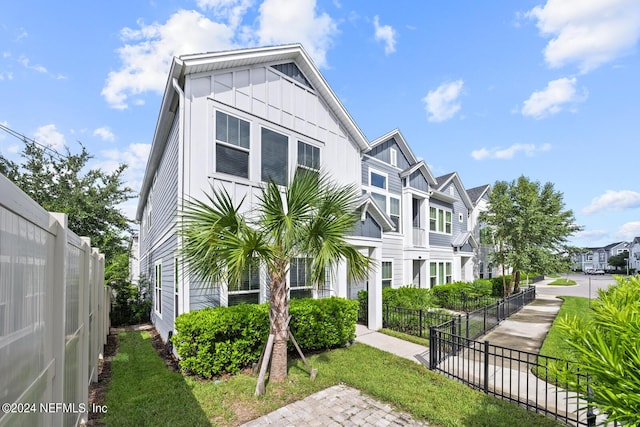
598 272
589 271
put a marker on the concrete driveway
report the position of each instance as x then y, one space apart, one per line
585 283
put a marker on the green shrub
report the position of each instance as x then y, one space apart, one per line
220 340
405 297
323 323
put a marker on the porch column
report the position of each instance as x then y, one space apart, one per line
375 290
340 286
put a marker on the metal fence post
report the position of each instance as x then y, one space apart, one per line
420 323
433 344
486 367
467 334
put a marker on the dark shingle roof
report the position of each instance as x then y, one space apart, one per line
476 192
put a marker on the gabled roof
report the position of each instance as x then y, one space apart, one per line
402 144
476 193
463 238
368 205
444 180
212 61
422 167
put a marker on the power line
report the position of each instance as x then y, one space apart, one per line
23 138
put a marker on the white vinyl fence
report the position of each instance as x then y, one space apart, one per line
54 315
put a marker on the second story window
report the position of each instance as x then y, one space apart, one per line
275 157
439 220
308 157
378 180
232 145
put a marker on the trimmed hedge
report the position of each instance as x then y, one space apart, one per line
214 341
450 295
405 297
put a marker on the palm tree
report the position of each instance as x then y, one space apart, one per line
310 218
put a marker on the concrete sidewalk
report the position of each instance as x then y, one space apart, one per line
384 342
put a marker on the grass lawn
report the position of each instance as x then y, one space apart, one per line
555 344
562 282
143 392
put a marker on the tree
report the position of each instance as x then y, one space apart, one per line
529 227
310 218
608 351
90 197
619 261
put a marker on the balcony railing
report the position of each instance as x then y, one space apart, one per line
419 237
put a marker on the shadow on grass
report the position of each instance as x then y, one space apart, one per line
143 392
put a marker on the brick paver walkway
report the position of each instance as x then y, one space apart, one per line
336 406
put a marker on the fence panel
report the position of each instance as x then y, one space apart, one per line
45 299
527 379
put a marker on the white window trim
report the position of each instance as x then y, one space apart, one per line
157 290
233 146
382 279
441 212
386 179
298 165
290 137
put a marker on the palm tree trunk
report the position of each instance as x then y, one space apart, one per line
279 314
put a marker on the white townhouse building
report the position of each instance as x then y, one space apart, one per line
235 119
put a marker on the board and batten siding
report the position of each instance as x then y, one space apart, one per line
418 181
457 227
382 152
266 98
367 228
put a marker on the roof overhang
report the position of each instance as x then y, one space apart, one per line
368 205
402 144
422 167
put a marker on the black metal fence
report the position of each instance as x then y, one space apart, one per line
524 378
470 325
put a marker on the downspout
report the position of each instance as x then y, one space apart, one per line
183 296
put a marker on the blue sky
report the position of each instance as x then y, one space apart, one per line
492 90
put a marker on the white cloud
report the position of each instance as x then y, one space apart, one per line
587 33
385 34
590 234
553 98
284 21
614 201
105 133
441 104
629 231
49 135
26 63
148 50
508 153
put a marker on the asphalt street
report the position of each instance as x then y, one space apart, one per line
586 284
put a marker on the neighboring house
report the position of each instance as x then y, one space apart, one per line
235 119
634 254
598 257
485 269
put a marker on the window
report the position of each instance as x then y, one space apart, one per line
387 273
377 180
394 212
439 220
232 145
247 290
275 153
308 157
433 275
440 273
433 213
415 208
157 287
300 286
393 154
